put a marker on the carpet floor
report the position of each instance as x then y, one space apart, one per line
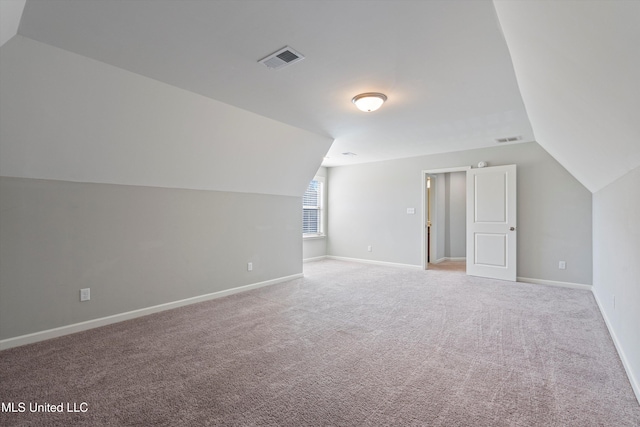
348 345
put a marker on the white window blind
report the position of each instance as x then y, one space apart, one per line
312 209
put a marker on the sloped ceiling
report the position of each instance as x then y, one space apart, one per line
578 69
10 14
443 64
71 118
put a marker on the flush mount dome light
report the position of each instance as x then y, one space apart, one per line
370 101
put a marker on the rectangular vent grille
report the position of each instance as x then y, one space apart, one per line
283 57
508 139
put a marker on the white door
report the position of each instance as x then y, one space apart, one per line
491 222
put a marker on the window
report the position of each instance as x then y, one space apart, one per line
312 213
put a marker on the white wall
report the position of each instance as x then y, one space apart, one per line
616 266
368 205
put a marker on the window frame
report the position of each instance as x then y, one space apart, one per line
321 210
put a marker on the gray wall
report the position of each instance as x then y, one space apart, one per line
439 219
135 247
456 211
368 207
616 270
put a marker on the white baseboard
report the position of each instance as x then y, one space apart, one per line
318 258
103 321
369 261
633 379
554 283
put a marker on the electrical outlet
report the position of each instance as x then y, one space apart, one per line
250 266
562 265
369 248
85 294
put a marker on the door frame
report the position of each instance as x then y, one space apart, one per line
425 205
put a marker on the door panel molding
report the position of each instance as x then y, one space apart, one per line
491 222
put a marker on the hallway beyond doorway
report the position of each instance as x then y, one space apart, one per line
453 266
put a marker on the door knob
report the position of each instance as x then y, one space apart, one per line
512 229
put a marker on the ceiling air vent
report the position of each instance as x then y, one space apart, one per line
282 58
508 139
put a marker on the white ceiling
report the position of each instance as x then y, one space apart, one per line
444 65
10 13
578 69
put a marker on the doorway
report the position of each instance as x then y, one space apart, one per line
443 244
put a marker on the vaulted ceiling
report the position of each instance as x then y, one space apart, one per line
446 67
578 70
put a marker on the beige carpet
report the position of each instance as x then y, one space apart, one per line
348 345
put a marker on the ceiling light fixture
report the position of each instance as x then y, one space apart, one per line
369 101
